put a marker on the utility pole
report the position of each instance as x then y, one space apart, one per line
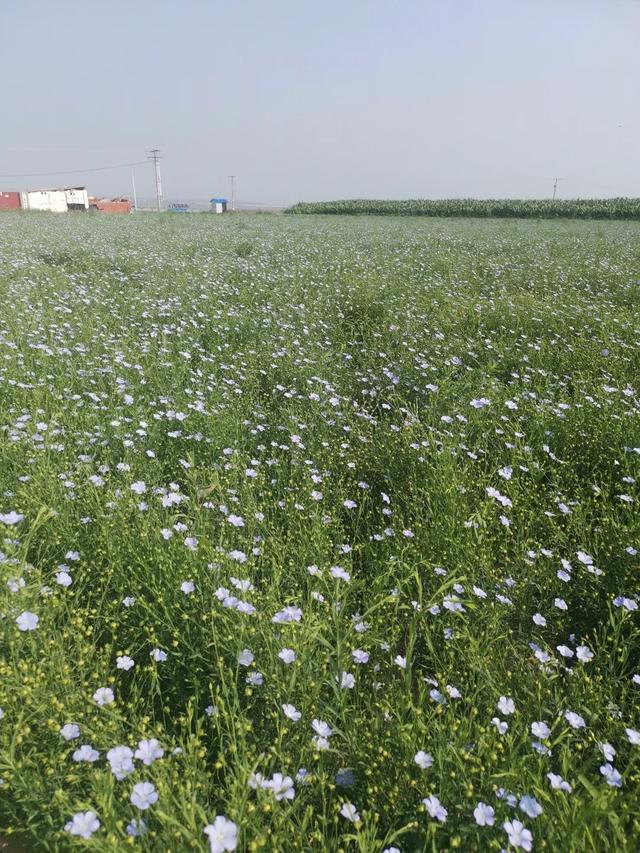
154 156
233 194
133 186
555 186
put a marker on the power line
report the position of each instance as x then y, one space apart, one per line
72 171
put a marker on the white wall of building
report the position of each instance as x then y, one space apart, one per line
53 200
77 196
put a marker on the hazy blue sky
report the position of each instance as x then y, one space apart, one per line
325 99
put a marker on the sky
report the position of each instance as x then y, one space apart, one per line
317 100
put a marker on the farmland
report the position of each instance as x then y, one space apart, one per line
319 533
502 208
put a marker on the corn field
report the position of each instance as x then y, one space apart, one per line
508 208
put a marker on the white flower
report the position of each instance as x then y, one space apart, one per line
124 662
27 621
633 736
158 655
287 655
238 556
139 487
360 656
256 780
506 705
70 731
148 751
484 815
103 696
347 681
518 835
339 573
627 603
501 725
120 759
480 403
611 775
11 518
143 795
321 728
291 712
191 543
287 614
235 520
608 751
565 651
64 579
423 759
435 808
136 827
503 500
245 658
83 824
584 654
574 720
400 661
530 806
350 812
540 729
281 787
86 753
187 587
223 835
437 696
558 783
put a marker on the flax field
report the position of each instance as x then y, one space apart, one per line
319 534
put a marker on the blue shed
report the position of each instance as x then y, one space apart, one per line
218 205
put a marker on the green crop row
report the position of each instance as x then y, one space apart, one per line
579 208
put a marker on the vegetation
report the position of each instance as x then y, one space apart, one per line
319 534
578 208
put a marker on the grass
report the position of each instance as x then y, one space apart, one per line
244 404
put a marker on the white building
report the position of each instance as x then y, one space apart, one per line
52 200
218 205
77 198
55 201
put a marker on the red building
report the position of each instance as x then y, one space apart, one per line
9 201
110 205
